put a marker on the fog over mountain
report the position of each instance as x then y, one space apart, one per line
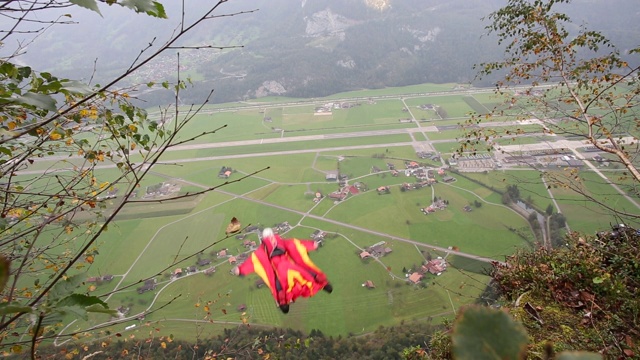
301 48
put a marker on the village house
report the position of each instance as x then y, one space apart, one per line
204 262
369 284
421 174
428 210
331 176
281 227
233 260
406 187
415 277
123 310
249 244
161 189
108 277
225 172
364 255
177 273
210 270
149 285
436 266
412 165
318 235
378 250
340 194
383 190
192 269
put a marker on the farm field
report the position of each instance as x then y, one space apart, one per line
173 243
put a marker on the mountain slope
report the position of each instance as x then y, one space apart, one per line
303 48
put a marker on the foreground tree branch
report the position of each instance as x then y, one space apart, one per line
56 135
575 85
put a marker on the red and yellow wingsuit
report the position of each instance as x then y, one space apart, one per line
285 267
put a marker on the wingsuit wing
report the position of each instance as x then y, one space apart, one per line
298 250
259 263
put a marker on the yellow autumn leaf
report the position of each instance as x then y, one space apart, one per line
206 308
133 146
163 345
233 227
69 141
55 136
104 184
133 128
11 125
89 259
92 288
197 305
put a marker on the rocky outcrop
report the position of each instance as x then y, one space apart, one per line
270 88
326 23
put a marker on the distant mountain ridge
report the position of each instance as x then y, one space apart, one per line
301 48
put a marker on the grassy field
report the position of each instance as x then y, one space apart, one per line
153 240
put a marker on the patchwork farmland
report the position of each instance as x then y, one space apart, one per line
318 166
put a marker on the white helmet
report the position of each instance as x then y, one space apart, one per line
267 233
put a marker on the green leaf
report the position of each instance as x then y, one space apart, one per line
41 101
81 300
89 4
80 305
152 8
578 355
7 308
5 265
483 333
598 280
97 308
75 87
78 311
65 288
159 11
